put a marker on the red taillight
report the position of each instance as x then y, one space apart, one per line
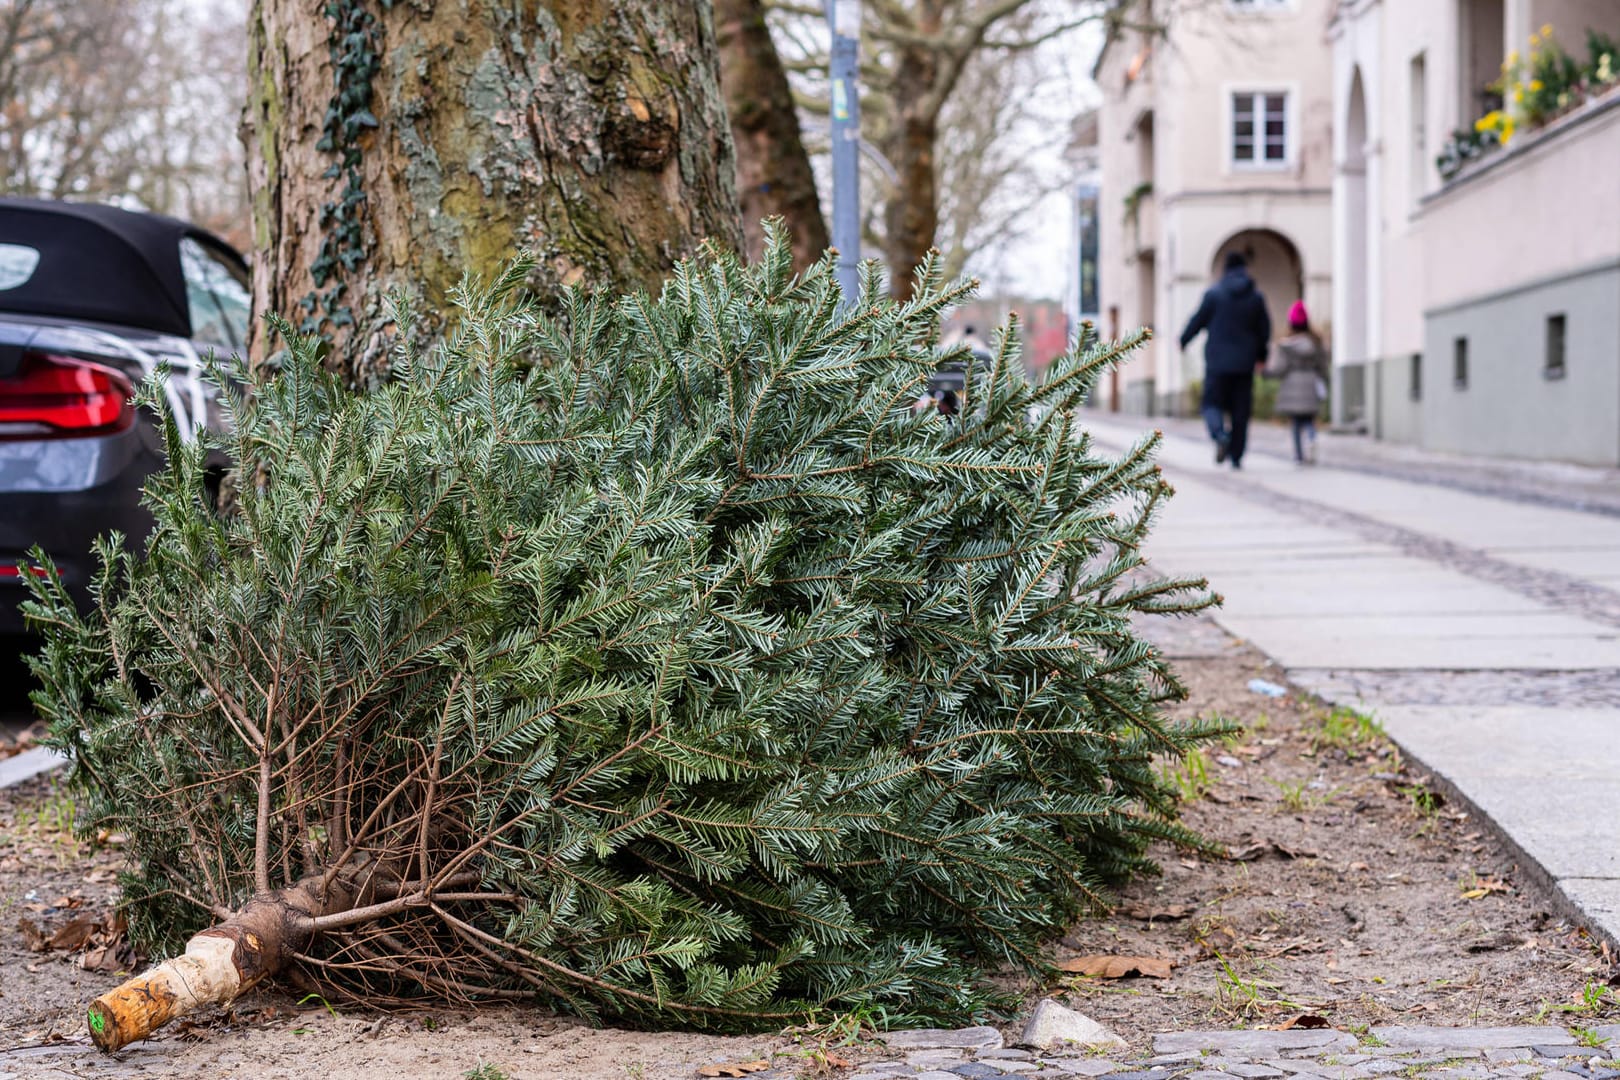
61 395
9 570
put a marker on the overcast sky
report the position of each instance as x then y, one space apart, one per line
1036 265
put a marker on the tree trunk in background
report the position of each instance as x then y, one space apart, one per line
911 215
402 144
773 170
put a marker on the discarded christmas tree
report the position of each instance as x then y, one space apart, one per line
660 663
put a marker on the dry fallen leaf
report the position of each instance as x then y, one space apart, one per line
1251 852
32 935
1117 967
1170 911
1303 1020
75 933
1486 886
740 1068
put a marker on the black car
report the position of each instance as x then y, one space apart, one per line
92 300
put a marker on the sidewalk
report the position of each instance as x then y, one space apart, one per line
1482 631
1548 483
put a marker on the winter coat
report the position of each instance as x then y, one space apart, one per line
1302 365
1239 327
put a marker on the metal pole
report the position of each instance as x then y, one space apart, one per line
844 22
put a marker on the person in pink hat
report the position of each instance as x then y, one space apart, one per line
1301 363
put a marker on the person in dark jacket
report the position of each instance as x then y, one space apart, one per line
1239 328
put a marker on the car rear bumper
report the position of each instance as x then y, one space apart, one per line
61 494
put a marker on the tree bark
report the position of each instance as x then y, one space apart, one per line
591 132
911 215
774 178
223 961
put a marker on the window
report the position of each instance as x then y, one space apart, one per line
1414 382
1557 328
17 263
1459 363
217 292
1418 161
1260 129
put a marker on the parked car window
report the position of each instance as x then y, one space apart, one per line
17 262
221 307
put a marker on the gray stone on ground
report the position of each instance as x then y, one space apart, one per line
1052 1026
1480 1038
973 1070
1084 1066
1254 1043
934 1059
1249 1070
935 1074
973 1038
1005 1055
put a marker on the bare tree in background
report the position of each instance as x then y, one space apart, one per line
129 101
915 57
774 177
994 159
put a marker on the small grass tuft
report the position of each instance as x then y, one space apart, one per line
1190 777
1343 728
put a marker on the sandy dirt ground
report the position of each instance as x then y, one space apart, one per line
1355 892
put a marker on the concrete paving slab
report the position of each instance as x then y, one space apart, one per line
1598 900
28 764
1512 742
1325 650
1352 599
1465 628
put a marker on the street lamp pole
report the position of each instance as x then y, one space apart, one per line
844 22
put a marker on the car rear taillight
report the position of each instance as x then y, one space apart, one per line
61 396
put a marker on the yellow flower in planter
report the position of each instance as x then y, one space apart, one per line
1536 86
1546 31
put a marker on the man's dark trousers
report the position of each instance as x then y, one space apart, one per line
1229 395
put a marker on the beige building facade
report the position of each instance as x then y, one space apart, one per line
1479 309
1214 136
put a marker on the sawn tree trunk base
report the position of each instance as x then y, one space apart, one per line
219 963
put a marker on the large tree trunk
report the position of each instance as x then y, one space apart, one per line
773 171
911 216
401 145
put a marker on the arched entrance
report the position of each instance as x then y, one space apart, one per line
1276 267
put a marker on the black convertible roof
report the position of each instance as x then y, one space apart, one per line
102 264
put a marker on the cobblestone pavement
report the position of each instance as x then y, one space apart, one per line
1594 688
1522 1053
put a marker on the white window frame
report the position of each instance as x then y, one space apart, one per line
1290 94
